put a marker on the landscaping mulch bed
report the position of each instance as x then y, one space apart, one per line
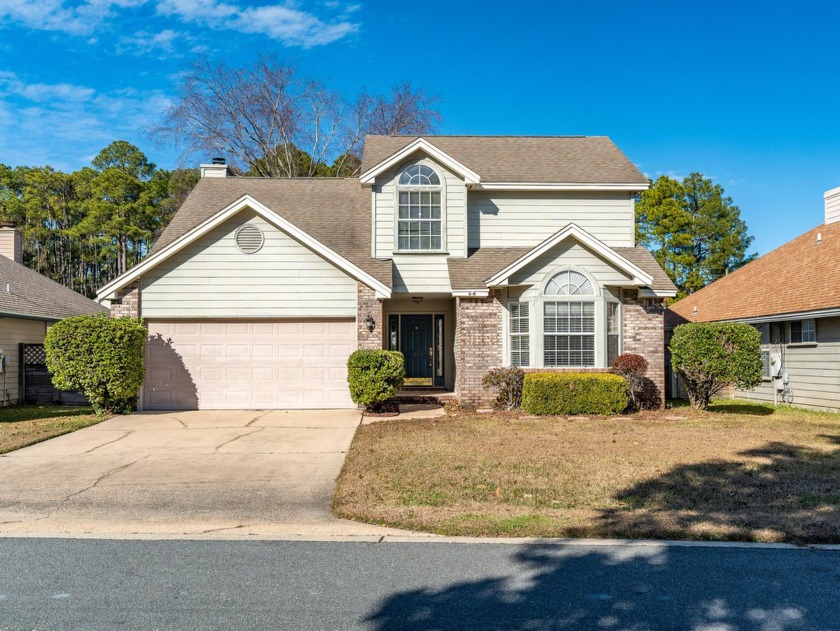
23 425
739 472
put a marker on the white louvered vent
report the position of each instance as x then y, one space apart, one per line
249 239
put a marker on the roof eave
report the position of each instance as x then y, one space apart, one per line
632 187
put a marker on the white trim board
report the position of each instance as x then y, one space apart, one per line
244 202
561 186
640 277
420 144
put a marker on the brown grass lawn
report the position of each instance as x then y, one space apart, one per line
23 425
739 472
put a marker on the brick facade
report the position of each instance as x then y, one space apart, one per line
644 334
129 302
368 304
478 347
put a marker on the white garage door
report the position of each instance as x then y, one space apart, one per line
248 365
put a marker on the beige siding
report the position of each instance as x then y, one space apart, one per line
813 371
212 278
421 273
567 254
517 218
832 205
14 331
385 208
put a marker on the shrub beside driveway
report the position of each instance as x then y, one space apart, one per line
739 472
23 425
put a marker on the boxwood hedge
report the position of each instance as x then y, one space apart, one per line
563 393
374 376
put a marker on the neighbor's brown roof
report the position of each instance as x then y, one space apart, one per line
801 275
32 295
334 211
484 263
526 159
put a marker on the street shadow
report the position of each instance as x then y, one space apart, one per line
170 385
778 492
640 587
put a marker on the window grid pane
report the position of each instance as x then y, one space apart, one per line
569 334
419 213
520 340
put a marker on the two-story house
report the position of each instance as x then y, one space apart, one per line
465 253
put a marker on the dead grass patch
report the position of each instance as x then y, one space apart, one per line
24 425
739 472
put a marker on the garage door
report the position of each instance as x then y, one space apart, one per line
248 365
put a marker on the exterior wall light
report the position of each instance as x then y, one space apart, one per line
370 323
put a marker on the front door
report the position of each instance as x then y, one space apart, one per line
417 346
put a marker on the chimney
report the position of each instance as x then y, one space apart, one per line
217 168
11 241
832 205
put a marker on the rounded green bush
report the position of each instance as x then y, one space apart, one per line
375 376
564 393
100 356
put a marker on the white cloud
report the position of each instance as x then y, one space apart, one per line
283 22
54 15
61 124
145 42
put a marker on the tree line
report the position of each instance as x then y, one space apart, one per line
84 228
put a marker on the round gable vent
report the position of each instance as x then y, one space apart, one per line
249 239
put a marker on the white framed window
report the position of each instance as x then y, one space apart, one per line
803 332
419 210
520 337
613 331
765 364
568 334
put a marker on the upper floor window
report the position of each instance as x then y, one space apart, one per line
419 215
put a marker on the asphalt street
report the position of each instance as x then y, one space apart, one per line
82 584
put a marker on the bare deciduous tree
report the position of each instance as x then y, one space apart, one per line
269 121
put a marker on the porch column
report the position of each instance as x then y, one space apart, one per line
644 334
478 347
367 304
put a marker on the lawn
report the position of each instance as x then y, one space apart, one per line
23 425
738 472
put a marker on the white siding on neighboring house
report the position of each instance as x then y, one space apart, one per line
813 370
14 331
832 205
213 278
420 272
522 218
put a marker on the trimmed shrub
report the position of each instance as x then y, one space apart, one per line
633 368
563 393
375 376
100 356
709 356
507 382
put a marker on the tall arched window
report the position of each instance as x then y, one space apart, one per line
419 216
569 321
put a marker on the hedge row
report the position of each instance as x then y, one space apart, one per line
554 393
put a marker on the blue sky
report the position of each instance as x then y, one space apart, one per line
744 92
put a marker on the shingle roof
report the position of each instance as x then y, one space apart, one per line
801 275
525 159
334 211
483 263
33 295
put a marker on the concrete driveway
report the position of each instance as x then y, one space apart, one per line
240 473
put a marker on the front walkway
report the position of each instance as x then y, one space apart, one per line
207 473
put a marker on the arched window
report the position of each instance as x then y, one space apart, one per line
569 323
419 216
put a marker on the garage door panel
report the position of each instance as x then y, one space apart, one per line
219 365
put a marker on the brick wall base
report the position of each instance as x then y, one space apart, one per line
644 334
478 347
128 302
367 304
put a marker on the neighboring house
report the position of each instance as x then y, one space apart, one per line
29 304
792 295
464 252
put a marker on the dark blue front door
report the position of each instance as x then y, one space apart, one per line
417 345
